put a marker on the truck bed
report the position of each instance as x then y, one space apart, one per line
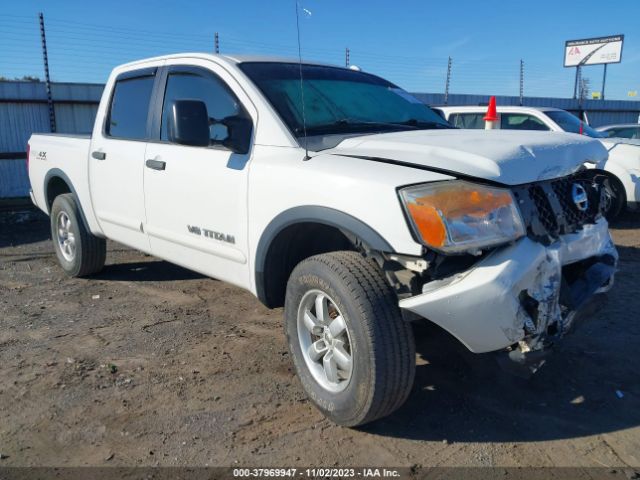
64 155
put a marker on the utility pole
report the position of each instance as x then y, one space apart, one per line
580 86
346 57
577 81
521 82
604 80
47 79
585 87
446 85
216 42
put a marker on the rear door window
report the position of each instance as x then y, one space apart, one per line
519 121
467 120
623 132
130 108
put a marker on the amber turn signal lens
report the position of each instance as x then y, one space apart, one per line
429 224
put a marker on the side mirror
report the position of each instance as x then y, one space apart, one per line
189 123
239 133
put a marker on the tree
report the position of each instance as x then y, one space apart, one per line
25 78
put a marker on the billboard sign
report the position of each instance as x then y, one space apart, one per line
593 51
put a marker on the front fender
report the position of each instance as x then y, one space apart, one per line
624 163
356 230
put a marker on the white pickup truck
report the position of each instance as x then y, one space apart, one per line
621 168
358 213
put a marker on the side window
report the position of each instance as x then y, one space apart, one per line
612 132
467 120
205 87
518 121
623 132
129 108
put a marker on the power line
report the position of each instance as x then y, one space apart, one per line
73 46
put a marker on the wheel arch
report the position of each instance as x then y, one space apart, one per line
56 183
325 229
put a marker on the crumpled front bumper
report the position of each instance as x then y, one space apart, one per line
524 293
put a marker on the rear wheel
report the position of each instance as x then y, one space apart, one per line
353 352
79 252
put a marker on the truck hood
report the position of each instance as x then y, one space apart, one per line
507 157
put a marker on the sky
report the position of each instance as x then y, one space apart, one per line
407 42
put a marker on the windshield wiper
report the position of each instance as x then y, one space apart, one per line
412 122
352 126
345 125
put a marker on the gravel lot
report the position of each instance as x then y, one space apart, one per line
150 364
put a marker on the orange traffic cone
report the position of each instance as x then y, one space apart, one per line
491 117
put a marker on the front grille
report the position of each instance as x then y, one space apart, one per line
543 207
563 190
549 209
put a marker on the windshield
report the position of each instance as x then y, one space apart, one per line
572 124
338 100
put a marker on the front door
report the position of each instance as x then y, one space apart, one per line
196 197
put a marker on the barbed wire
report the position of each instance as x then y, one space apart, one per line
75 46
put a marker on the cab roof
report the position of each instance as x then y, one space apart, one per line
229 59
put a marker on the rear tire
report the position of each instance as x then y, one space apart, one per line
79 252
379 344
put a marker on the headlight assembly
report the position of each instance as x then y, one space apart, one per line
458 216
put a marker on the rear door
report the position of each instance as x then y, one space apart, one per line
196 197
117 159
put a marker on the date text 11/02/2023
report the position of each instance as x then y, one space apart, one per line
316 472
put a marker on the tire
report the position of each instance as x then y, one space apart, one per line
618 199
79 252
379 341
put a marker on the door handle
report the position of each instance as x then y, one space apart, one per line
99 155
155 164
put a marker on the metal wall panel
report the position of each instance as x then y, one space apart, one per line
75 118
24 110
14 180
22 90
18 121
76 92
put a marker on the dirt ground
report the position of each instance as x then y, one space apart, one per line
150 364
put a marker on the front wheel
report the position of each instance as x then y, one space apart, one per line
79 252
352 350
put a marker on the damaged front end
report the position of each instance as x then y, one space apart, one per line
520 298
565 285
